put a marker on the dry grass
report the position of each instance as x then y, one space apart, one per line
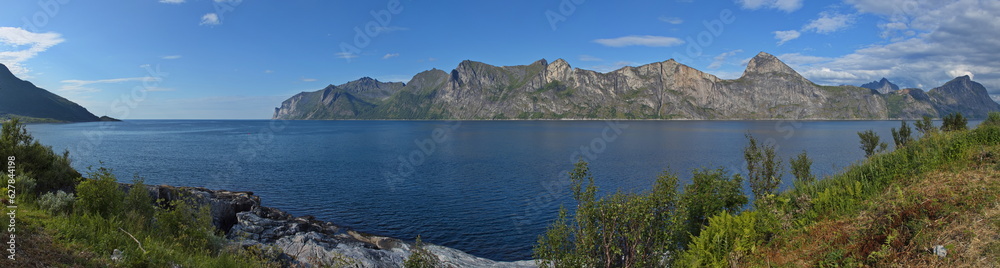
959 209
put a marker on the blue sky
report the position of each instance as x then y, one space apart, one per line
200 59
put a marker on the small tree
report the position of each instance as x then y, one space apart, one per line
992 119
870 143
712 191
925 126
954 122
100 194
420 257
801 168
901 137
763 168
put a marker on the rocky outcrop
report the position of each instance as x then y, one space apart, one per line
305 240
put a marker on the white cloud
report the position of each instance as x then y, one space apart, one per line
785 36
78 86
589 58
671 20
171 57
308 79
210 19
346 55
949 39
171 1
390 55
17 37
640 40
783 5
829 22
268 71
390 29
721 58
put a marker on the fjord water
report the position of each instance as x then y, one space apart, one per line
485 187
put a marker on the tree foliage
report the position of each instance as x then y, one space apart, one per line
763 168
52 171
420 257
925 126
954 122
901 137
635 230
870 143
802 168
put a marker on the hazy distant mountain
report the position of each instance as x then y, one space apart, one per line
768 89
22 98
882 86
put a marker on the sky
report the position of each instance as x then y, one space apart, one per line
238 59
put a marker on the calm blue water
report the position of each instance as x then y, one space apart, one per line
487 188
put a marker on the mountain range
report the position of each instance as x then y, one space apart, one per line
768 89
20 98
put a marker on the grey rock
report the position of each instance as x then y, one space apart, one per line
940 251
117 255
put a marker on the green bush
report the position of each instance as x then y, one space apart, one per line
925 126
138 206
992 119
52 171
100 194
420 257
763 168
620 230
954 122
870 143
901 137
57 203
189 224
724 242
711 192
801 168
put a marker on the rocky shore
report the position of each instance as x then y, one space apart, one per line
304 240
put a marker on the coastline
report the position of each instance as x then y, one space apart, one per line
304 239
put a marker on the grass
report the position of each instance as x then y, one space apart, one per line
891 209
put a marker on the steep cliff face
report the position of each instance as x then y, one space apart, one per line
768 89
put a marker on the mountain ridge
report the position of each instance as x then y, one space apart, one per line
768 89
21 98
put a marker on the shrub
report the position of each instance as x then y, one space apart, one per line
763 169
420 257
993 119
189 223
621 230
711 192
52 171
100 194
57 203
726 240
901 137
870 143
801 168
925 126
138 205
954 122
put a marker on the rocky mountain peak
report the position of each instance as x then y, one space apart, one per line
882 86
765 63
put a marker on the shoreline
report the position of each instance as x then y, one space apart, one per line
243 219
